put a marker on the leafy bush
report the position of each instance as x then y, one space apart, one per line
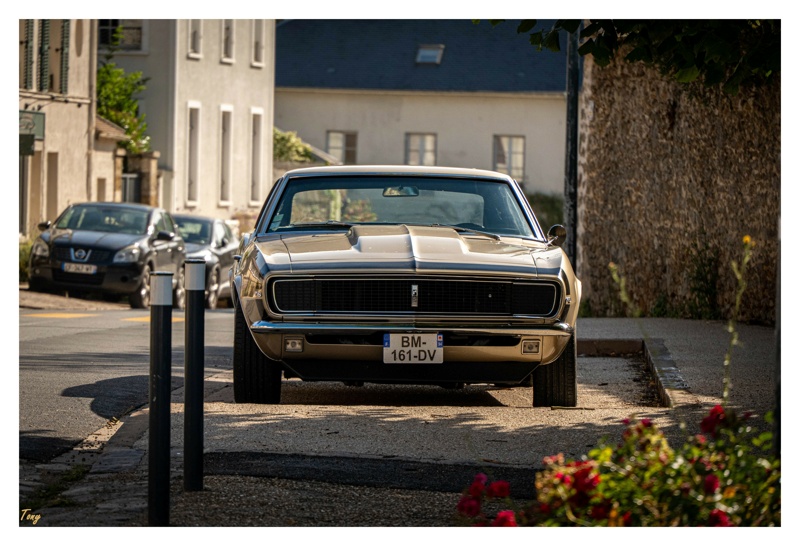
724 477
24 259
287 146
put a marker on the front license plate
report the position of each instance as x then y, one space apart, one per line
413 349
87 269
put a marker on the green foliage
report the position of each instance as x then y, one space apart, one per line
24 260
287 146
723 477
117 102
731 52
549 208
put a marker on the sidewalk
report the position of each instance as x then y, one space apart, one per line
415 480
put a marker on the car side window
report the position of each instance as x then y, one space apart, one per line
160 222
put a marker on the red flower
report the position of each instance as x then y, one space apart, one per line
627 519
505 518
476 489
498 489
711 484
544 508
718 518
647 423
599 511
480 477
469 506
585 480
715 418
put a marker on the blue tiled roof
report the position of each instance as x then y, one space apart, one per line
381 54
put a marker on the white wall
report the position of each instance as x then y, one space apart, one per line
464 123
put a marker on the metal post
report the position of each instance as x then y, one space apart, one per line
160 387
571 171
193 375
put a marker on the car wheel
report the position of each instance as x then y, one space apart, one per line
213 289
140 299
179 293
557 384
256 378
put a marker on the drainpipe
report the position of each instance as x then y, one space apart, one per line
92 109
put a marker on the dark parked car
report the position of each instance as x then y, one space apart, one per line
109 248
212 240
399 274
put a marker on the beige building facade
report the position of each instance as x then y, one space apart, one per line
57 159
208 105
463 127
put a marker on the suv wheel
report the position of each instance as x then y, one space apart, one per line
140 299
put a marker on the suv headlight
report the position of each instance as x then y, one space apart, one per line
40 249
129 254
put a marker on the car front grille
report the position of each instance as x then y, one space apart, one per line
433 296
96 256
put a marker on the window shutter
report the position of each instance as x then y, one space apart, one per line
44 54
28 54
64 80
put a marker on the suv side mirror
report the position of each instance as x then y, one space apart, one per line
43 225
557 235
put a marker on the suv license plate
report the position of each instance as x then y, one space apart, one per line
413 349
87 269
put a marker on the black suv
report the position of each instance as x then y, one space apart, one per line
109 248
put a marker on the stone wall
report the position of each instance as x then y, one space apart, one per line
671 177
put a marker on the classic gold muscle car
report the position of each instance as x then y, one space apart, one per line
398 274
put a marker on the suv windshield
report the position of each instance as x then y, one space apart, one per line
339 202
108 219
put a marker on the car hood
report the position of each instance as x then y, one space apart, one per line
400 248
94 239
195 248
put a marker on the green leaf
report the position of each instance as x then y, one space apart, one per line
552 41
570 25
526 26
688 74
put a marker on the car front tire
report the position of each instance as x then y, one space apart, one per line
212 299
557 383
256 378
140 299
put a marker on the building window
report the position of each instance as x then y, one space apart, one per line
130 35
342 145
193 159
195 38
257 129
227 41
430 54
258 43
420 149
226 148
26 47
509 156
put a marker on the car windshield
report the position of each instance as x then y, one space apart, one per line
194 230
332 202
107 219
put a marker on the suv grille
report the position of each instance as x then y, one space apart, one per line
393 296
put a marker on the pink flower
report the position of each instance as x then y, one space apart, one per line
718 518
499 489
711 484
469 506
505 518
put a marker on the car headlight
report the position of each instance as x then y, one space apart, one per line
40 249
129 254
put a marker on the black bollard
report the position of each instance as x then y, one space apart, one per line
193 375
160 389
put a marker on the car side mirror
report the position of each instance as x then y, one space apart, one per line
43 225
557 235
165 236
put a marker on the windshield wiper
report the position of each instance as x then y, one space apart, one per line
462 229
329 223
